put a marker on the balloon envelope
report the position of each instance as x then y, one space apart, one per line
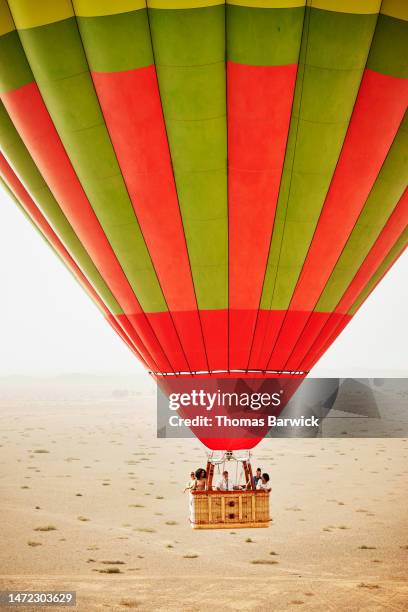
226 180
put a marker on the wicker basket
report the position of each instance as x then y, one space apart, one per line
227 509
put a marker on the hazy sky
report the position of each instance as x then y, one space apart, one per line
48 325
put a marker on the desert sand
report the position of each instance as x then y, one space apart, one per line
91 501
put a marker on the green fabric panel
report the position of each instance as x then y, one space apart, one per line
206 234
188 37
393 253
66 86
116 43
182 84
264 37
16 153
332 59
14 69
382 200
389 51
189 50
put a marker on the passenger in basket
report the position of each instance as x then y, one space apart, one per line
257 477
191 483
263 484
201 480
225 484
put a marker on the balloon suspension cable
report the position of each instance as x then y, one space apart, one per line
221 457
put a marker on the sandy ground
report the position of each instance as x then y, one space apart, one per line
81 459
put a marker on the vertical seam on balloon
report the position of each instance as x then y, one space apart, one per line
308 10
345 245
177 194
323 205
130 203
227 186
73 169
306 19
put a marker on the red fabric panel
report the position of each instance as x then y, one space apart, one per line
259 106
241 326
192 339
289 333
312 329
215 331
267 329
163 326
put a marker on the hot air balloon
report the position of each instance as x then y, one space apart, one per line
227 180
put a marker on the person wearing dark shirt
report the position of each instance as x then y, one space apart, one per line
257 477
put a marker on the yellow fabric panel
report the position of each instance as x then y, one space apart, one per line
30 14
341 6
395 8
360 7
6 20
97 8
182 4
34 13
268 3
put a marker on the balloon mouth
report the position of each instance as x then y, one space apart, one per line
225 410
235 373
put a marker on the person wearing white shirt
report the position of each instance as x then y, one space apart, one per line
263 484
225 484
190 485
